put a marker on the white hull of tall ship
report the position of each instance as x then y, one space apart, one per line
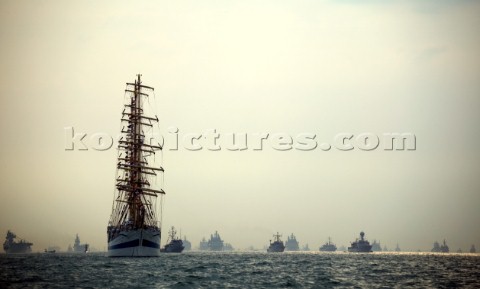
135 243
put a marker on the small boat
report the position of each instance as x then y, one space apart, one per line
360 246
50 251
175 245
328 247
277 246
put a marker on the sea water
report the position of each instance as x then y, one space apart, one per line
242 270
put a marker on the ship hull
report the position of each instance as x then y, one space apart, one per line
18 249
135 243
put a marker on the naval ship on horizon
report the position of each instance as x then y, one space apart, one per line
134 228
79 248
328 246
10 246
291 244
175 245
440 248
361 245
277 246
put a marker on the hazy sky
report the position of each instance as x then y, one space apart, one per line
321 67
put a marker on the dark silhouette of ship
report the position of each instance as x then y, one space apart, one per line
376 246
472 249
440 248
361 245
291 244
79 248
215 243
277 246
397 249
11 246
203 245
328 247
186 244
175 245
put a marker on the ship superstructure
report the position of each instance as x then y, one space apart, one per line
134 228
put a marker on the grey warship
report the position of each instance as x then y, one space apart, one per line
79 248
437 248
175 245
328 247
277 246
291 244
12 247
215 243
360 246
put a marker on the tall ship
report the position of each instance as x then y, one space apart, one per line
361 245
215 243
175 244
11 246
78 247
291 244
277 246
328 246
440 248
134 228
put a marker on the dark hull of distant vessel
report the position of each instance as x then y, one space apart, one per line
360 249
175 246
18 248
276 247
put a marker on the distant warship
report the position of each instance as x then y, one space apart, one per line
306 248
328 247
10 246
361 245
228 247
376 247
215 243
186 244
175 245
79 248
440 248
291 244
277 246
472 249
397 249
203 245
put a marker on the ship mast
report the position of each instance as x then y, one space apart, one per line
134 205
